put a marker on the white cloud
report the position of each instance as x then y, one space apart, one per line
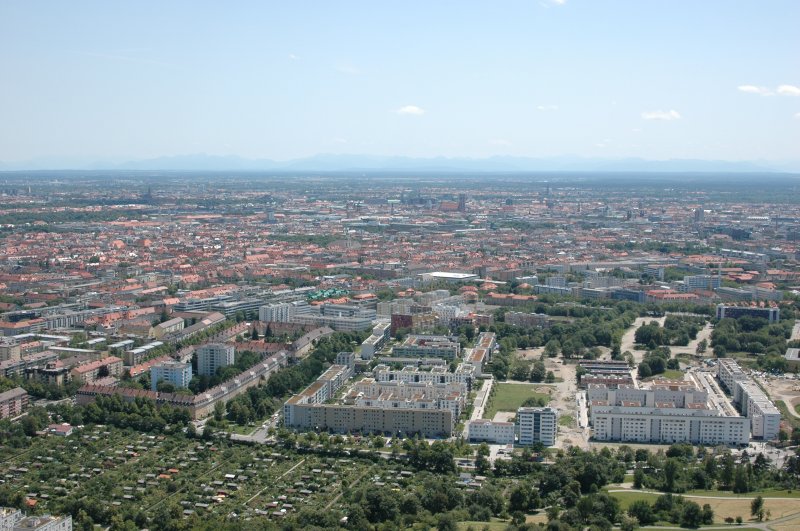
752 89
411 109
293 57
547 107
789 90
662 115
797 116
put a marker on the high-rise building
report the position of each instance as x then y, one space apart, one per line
537 425
212 356
174 372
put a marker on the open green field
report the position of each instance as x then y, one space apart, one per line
671 374
566 420
494 525
789 494
509 397
627 498
722 505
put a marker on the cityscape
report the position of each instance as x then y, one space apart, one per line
490 322
518 266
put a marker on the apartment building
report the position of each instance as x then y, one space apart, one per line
343 318
490 431
770 313
528 320
707 282
44 523
357 419
664 413
537 425
605 367
136 356
174 372
281 312
212 356
668 425
482 353
167 327
676 395
612 381
13 402
420 395
16 368
86 374
464 374
375 342
8 517
9 348
418 346
765 418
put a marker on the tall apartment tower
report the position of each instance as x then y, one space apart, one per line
462 202
537 424
212 356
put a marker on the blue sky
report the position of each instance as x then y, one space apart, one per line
281 80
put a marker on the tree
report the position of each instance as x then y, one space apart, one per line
628 523
642 511
550 377
518 500
638 478
708 515
219 410
670 470
551 348
254 334
702 346
757 508
517 518
691 515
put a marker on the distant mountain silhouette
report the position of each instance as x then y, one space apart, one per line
334 162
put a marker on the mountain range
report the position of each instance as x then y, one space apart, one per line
338 163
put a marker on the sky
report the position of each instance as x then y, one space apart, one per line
117 81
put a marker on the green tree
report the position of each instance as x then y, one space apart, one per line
708 515
757 508
691 515
642 511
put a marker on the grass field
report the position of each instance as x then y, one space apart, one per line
627 498
509 397
723 508
789 494
494 525
566 420
671 374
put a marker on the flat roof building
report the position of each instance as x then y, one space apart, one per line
177 373
212 356
537 425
